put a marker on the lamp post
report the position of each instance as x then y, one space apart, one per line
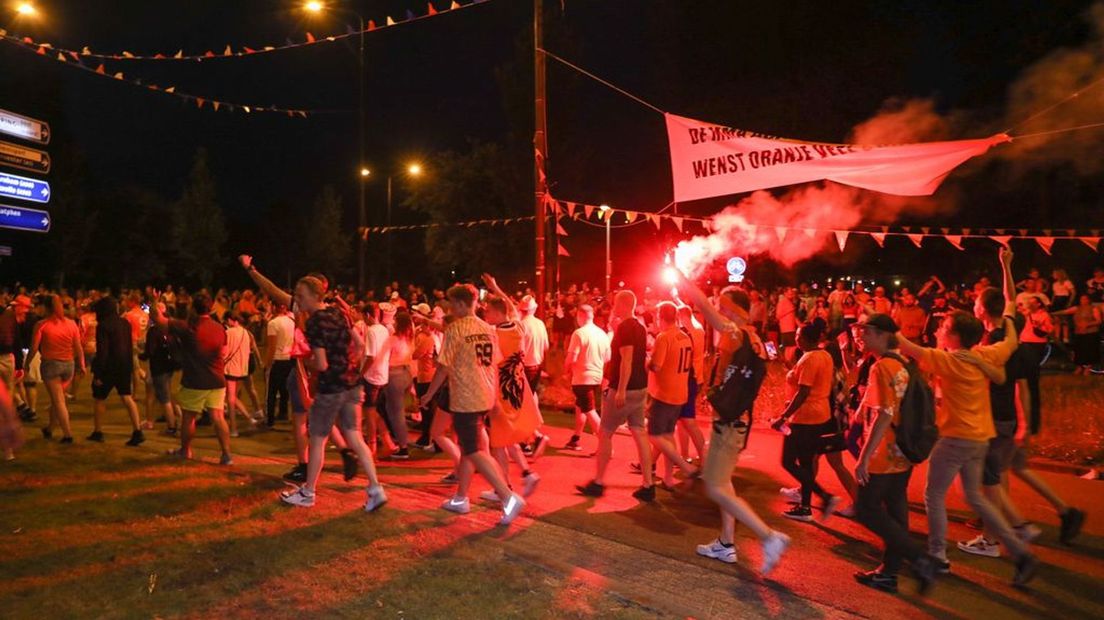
608 216
317 7
412 170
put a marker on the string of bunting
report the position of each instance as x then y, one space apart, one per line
492 222
240 50
74 60
916 234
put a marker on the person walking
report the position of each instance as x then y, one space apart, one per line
56 340
279 337
113 369
587 353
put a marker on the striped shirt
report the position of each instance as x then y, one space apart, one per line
470 352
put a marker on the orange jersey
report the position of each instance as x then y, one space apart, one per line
672 359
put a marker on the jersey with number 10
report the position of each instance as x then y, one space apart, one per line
672 358
470 352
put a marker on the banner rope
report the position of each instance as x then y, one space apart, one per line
1054 131
599 80
1071 97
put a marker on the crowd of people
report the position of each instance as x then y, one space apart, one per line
861 364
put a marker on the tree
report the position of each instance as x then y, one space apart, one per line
198 227
328 244
73 224
483 183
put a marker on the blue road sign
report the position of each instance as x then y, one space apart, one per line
15 186
18 218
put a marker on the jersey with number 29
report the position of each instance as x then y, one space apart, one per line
471 354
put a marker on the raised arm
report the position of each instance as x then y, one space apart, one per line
712 315
155 311
511 308
1009 284
274 292
909 348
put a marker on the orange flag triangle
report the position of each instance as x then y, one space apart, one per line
1001 239
310 38
562 251
678 223
879 238
1092 242
955 240
841 238
1046 243
432 11
916 238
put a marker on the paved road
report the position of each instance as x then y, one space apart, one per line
646 552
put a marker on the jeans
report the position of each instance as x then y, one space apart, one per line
882 506
799 456
277 389
398 384
952 457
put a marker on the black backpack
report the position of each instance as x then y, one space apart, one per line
740 385
915 427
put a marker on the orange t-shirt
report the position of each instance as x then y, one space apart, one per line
814 369
672 358
57 339
888 381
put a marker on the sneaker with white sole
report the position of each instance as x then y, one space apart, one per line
490 496
459 505
530 484
773 548
376 497
981 546
511 508
791 494
299 497
718 551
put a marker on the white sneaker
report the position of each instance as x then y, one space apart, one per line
1028 532
234 434
773 548
981 546
717 551
459 505
376 498
298 497
259 416
849 512
511 508
490 496
531 481
791 494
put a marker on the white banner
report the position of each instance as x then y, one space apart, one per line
710 160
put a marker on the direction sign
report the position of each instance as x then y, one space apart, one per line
15 186
18 218
24 127
24 157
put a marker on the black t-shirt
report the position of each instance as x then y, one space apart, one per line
201 359
1002 397
327 329
630 333
114 347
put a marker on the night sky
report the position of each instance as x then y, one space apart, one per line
810 70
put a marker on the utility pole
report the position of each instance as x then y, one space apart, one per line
540 145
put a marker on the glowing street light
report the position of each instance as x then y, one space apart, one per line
314 6
364 172
414 169
606 215
26 9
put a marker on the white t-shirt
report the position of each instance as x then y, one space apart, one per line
283 328
536 345
1062 288
374 342
236 353
593 351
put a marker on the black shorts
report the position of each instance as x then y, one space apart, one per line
469 430
102 385
532 375
998 459
373 395
662 418
587 397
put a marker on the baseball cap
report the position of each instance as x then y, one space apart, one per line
882 322
422 309
528 303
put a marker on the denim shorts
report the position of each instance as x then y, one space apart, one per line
57 369
341 407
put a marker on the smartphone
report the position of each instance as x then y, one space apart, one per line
772 350
145 308
482 294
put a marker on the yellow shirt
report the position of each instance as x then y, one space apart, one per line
963 410
814 369
470 352
672 358
888 381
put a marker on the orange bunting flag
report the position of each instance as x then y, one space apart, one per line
955 240
249 50
1001 239
227 51
118 76
127 55
310 38
1046 243
571 209
100 69
85 51
432 11
966 231
42 50
455 5
390 22
655 220
879 238
780 232
915 238
215 105
560 230
371 24
171 89
630 216
61 57
179 54
1092 242
562 251
587 210
199 102
841 238
678 223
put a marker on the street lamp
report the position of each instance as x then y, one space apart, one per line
26 9
316 7
413 169
608 216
